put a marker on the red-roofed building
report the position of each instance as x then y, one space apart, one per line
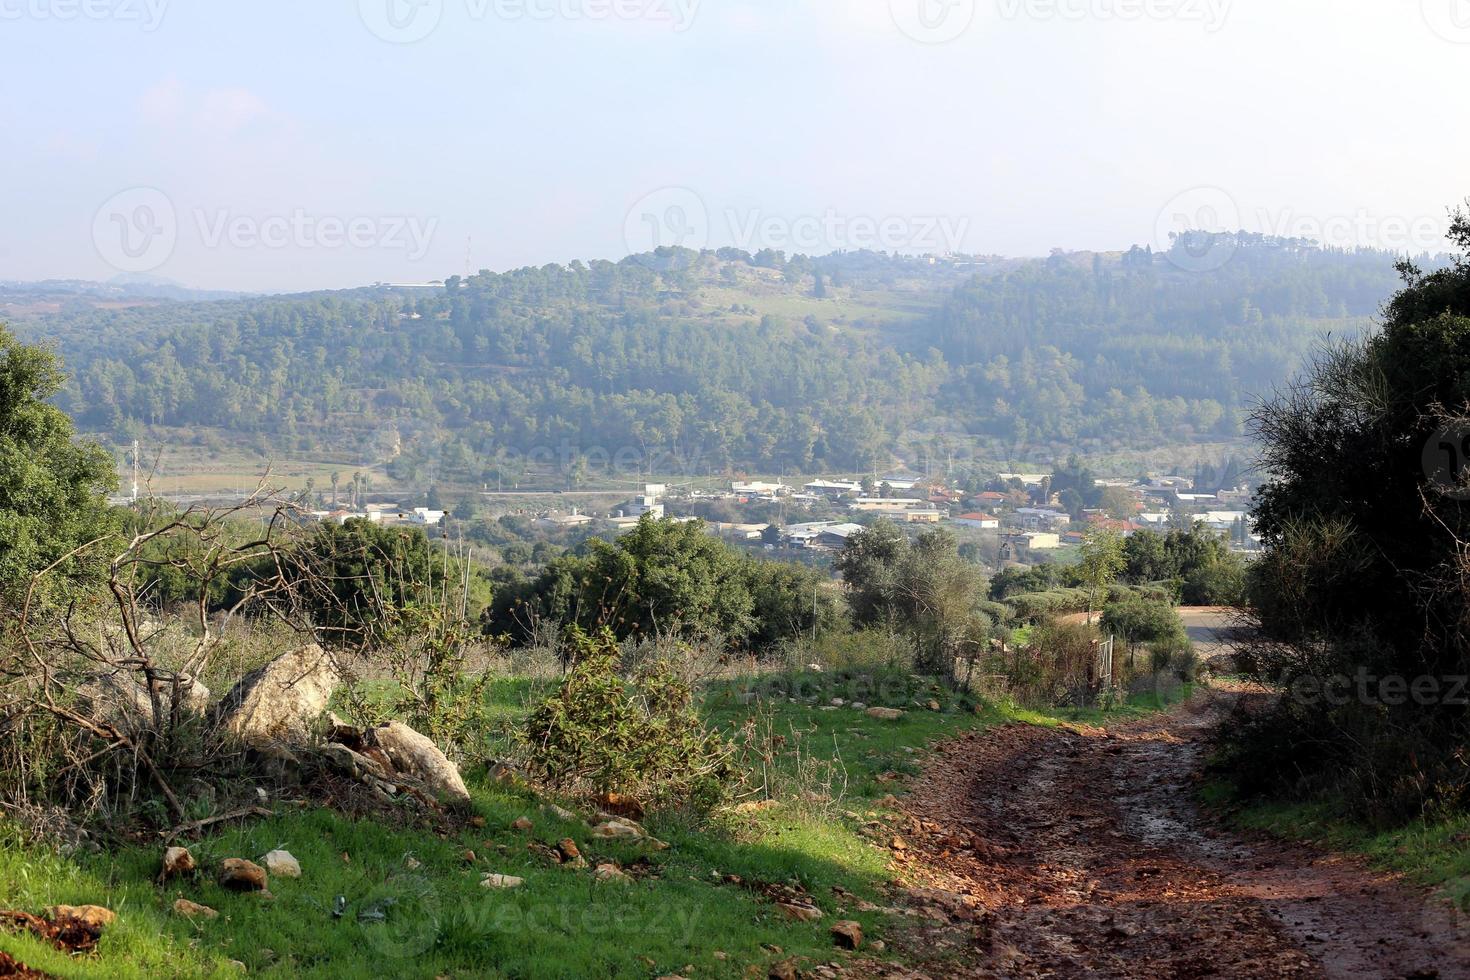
984 522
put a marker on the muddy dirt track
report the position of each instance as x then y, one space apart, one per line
1080 853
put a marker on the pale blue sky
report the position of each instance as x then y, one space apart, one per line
288 146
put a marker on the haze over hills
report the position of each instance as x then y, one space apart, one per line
681 362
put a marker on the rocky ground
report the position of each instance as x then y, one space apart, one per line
1079 852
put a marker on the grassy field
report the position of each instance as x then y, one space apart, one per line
685 917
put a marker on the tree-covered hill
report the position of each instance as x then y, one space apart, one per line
702 361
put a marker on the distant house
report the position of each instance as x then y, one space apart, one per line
984 522
837 535
1028 479
833 488
924 515
564 521
804 535
759 489
739 532
1037 518
645 503
885 505
991 497
424 517
1034 541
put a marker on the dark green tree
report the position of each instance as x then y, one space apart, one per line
52 487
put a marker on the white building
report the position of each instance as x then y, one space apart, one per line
834 488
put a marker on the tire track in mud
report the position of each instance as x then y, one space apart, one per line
1079 852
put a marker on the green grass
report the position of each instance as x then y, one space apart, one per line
562 923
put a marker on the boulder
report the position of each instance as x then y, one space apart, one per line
239 875
90 919
522 824
501 881
193 910
847 934
884 714
352 764
121 700
568 851
177 861
420 758
800 913
282 864
282 701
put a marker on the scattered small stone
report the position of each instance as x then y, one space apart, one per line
282 864
478 822
608 871
193 910
522 824
558 813
877 946
800 913
899 844
784 970
501 881
933 705
568 850
621 828
847 934
837 702
468 856
885 714
177 861
240 875
412 863
859 706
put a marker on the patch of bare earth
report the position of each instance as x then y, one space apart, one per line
1079 852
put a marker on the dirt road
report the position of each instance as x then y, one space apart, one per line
1214 630
1080 853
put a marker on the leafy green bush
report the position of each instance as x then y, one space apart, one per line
640 737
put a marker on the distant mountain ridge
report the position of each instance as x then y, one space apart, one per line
706 361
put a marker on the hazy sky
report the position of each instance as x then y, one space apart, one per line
292 144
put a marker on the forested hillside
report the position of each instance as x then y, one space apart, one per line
703 361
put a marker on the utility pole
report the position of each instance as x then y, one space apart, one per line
135 471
